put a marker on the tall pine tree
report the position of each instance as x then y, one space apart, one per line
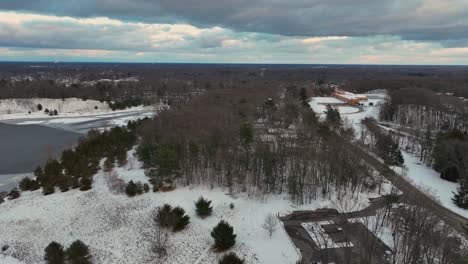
460 198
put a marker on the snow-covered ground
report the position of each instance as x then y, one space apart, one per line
70 110
17 108
320 237
351 114
428 180
382 232
117 228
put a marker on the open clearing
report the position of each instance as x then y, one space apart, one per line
117 228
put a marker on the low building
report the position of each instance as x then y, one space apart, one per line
350 98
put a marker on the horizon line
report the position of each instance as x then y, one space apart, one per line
234 63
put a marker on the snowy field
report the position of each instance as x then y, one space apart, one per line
17 108
319 104
428 180
117 228
69 110
350 113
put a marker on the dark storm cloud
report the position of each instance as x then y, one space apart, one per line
435 20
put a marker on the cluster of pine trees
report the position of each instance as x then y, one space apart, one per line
128 103
77 253
76 167
450 158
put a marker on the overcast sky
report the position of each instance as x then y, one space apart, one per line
236 31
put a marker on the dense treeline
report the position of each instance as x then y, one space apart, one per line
76 167
432 126
421 108
381 142
252 140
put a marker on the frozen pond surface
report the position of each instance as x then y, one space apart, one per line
28 142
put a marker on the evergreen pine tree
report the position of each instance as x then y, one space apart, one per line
460 198
109 163
54 253
333 117
180 219
146 187
63 183
86 183
34 185
303 96
14 193
25 184
203 207
395 156
131 189
78 253
231 258
223 235
48 189
121 156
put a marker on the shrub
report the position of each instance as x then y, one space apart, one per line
48 189
14 194
139 188
223 235
168 217
78 253
203 207
86 183
231 206
146 187
25 184
131 189
54 253
39 107
231 258
164 216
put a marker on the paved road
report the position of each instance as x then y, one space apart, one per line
412 193
302 240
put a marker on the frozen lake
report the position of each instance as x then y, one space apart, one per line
26 143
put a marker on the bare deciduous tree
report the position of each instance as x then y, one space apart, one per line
270 224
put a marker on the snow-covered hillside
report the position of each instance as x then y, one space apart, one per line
116 227
67 105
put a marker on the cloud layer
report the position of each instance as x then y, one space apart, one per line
280 31
414 20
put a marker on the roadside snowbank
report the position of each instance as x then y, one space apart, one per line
429 181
